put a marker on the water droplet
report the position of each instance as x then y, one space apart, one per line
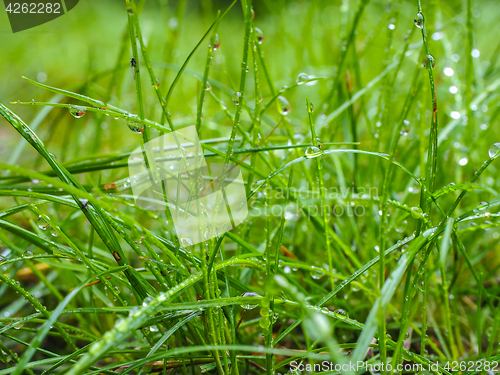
429 62
275 317
302 78
27 253
419 20
341 314
249 306
153 328
264 322
77 111
313 152
316 275
236 98
216 42
285 105
416 212
54 233
310 109
135 126
494 150
186 242
259 35
428 232
42 223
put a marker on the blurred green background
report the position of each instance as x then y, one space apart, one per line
79 51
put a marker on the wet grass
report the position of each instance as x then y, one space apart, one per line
367 140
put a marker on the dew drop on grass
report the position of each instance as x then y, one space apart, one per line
275 317
416 212
341 314
429 62
313 152
77 111
153 328
42 223
302 78
429 232
236 98
285 105
135 126
186 242
54 233
316 275
264 322
310 109
249 306
494 150
419 20
121 325
259 35
27 253
216 42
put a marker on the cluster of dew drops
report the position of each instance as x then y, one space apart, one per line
430 62
132 120
284 105
44 224
265 320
